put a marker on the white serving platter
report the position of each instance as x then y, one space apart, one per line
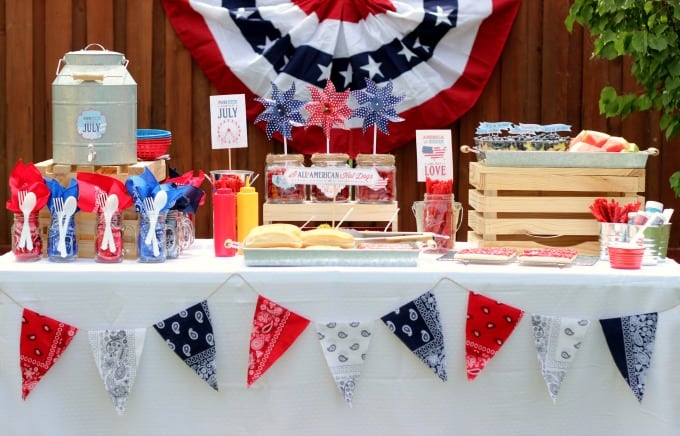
561 159
323 257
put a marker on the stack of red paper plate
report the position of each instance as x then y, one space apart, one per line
153 144
625 257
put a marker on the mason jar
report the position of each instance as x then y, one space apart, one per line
277 188
330 192
61 239
108 241
26 241
384 165
151 240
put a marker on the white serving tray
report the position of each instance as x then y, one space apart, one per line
321 257
561 159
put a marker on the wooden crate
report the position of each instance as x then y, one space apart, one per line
331 212
544 207
86 221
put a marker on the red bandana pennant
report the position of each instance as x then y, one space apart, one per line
42 341
275 329
489 324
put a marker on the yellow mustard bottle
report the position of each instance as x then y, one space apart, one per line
247 211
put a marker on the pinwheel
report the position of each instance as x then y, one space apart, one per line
328 109
376 107
281 113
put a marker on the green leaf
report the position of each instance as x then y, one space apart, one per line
675 183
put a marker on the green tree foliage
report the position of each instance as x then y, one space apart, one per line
648 31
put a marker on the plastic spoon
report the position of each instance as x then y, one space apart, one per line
110 207
27 206
67 211
159 202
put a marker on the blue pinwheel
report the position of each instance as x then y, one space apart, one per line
376 107
281 113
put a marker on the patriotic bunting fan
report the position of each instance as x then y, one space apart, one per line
438 54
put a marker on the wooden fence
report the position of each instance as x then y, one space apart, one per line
545 75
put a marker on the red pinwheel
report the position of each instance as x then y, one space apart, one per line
328 109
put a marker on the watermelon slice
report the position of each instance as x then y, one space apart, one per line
615 144
582 146
591 137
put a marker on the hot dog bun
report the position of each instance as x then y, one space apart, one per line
274 236
328 237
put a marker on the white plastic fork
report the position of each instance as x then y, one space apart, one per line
27 202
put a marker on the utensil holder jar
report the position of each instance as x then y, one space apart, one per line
26 250
57 252
109 250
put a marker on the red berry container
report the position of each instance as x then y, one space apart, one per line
625 256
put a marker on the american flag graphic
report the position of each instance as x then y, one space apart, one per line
438 54
434 151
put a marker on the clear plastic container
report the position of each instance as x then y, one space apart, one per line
330 192
384 165
26 241
277 188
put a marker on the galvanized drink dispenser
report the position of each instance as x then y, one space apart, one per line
94 109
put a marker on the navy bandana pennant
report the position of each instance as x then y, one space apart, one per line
417 325
189 333
631 343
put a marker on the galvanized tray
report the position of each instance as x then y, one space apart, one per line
561 159
321 257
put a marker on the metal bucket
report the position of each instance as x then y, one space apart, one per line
94 109
611 233
655 241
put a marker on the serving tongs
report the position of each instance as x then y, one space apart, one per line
389 237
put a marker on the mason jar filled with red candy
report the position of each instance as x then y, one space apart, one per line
278 189
386 191
330 191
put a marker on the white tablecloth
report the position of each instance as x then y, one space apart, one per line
396 393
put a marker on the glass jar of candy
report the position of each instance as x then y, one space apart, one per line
278 189
386 190
329 191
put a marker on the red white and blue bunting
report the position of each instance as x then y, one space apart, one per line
438 54
345 345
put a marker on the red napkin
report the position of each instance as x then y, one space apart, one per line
275 329
90 185
26 177
42 341
489 324
438 186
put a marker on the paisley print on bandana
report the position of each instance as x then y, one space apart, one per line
631 343
116 354
557 340
489 324
417 325
189 334
275 328
345 346
42 341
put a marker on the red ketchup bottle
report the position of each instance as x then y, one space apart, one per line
224 222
